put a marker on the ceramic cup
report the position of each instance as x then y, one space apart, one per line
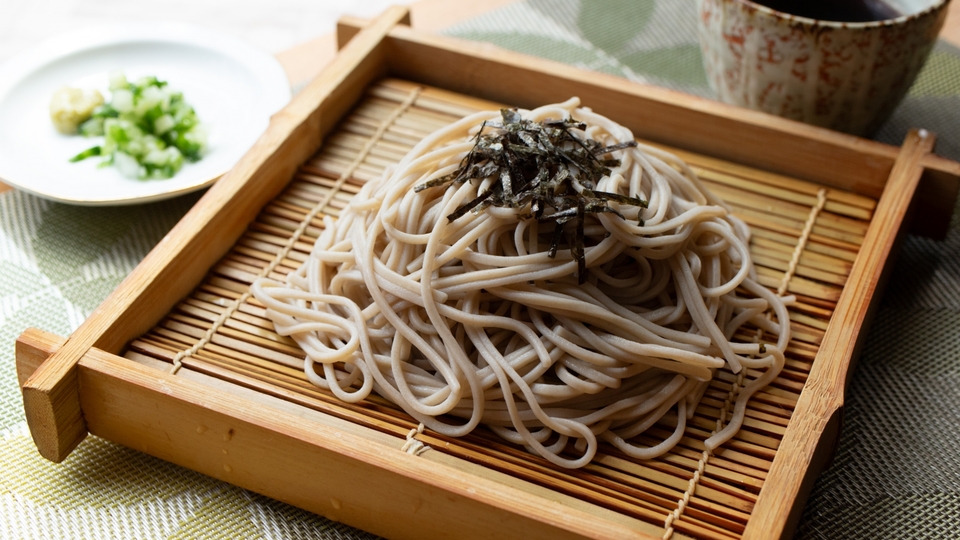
844 76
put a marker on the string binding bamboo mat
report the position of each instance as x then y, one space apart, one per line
805 240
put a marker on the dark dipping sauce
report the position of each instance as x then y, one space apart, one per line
834 10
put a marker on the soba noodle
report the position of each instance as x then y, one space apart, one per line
471 321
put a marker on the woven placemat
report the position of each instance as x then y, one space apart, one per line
897 468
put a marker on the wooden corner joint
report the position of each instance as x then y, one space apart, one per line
348 27
51 394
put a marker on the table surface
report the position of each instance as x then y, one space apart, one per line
924 292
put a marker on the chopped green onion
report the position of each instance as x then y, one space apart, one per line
89 152
148 129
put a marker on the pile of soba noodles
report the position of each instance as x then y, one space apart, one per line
555 324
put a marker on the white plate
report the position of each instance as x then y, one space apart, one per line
233 87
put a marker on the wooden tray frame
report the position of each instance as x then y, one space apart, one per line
78 385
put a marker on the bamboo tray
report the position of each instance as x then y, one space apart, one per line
241 410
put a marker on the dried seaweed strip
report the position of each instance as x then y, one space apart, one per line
545 171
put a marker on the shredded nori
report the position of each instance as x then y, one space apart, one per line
537 165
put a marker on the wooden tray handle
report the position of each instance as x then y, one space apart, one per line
33 348
51 399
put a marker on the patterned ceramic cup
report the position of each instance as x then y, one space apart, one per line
844 76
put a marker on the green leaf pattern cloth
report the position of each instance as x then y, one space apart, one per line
897 468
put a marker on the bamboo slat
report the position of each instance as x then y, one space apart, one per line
245 351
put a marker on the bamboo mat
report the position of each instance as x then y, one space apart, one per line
804 241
